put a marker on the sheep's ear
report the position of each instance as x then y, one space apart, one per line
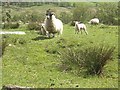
48 11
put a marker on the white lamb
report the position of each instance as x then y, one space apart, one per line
52 24
94 21
42 30
79 27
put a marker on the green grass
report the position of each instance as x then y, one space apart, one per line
35 62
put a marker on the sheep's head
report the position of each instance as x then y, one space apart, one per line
50 14
77 21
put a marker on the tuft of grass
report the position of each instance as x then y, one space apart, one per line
91 59
95 58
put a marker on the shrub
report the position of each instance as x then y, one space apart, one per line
72 23
10 25
95 58
14 25
108 13
3 45
80 12
91 59
65 17
33 26
6 26
16 18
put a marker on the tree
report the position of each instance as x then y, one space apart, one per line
108 13
84 11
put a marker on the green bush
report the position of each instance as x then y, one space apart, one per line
95 58
3 45
72 23
91 59
108 13
11 25
81 12
33 26
16 18
14 25
65 17
6 26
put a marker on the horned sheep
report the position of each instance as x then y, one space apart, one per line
52 24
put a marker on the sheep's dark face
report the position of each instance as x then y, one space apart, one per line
49 15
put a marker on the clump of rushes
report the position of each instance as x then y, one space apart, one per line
91 59
95 58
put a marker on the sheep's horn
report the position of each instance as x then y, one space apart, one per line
49 10
53 13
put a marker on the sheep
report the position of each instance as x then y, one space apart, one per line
52 24
42 29
94 21
79 27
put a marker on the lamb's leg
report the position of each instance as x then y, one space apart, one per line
81 31
75 32
86 31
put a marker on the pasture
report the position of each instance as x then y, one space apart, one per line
26 62
33 60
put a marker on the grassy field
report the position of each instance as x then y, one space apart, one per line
33 60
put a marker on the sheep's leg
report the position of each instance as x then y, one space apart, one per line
48 34
77 32
53 35
81 31
42 31
59 33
